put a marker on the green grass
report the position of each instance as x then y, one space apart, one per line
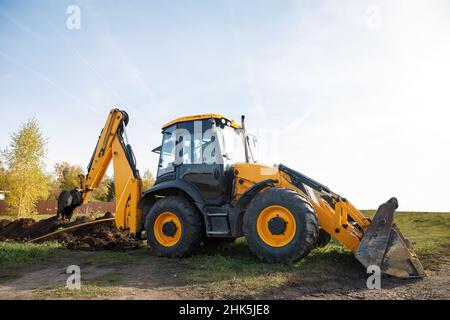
39 217
87 291
429 233
109 279
36 217
106 257
227 261
101 286
231 270
15 254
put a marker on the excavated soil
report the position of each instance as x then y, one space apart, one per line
102 235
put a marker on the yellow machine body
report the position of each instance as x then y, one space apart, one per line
334 221
375 242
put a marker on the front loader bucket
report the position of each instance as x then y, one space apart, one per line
67 202
383 245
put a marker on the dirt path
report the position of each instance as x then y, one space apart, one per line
25 286
164 279
436 285
137 281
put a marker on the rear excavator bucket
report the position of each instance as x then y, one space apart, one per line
383 245
67 202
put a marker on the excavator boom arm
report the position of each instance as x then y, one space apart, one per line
111 146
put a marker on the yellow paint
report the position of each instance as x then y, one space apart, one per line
200 117
167 241
247 174
128 189
334 221
262 225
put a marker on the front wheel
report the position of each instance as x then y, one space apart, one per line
280 226
173 227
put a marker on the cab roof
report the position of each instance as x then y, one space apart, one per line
201 117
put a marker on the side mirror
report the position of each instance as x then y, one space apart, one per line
157 150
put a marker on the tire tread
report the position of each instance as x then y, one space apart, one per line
293 199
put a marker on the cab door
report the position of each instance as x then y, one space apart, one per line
198 160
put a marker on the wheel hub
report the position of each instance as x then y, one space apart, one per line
169 229
277 226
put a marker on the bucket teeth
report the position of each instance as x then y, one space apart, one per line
383 245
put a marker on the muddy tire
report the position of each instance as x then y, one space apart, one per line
280 226
173 227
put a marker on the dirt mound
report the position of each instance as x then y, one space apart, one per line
102 235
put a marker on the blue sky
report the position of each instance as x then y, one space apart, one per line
327 86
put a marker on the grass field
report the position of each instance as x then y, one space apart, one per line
37 217
225 271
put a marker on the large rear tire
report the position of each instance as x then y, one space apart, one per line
173 227
280 226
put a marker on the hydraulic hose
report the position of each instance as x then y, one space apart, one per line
70 228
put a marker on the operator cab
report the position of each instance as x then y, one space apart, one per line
201 150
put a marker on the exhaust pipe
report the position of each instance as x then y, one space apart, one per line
247 158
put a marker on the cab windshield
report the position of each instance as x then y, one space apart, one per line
209 141
232 144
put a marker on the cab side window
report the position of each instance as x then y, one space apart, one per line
186 143
167 157
196 137
185 133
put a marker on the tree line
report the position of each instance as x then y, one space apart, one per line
24 178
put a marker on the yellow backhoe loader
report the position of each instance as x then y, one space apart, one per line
209 187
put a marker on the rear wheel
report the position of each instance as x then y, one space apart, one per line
173 227
280 226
